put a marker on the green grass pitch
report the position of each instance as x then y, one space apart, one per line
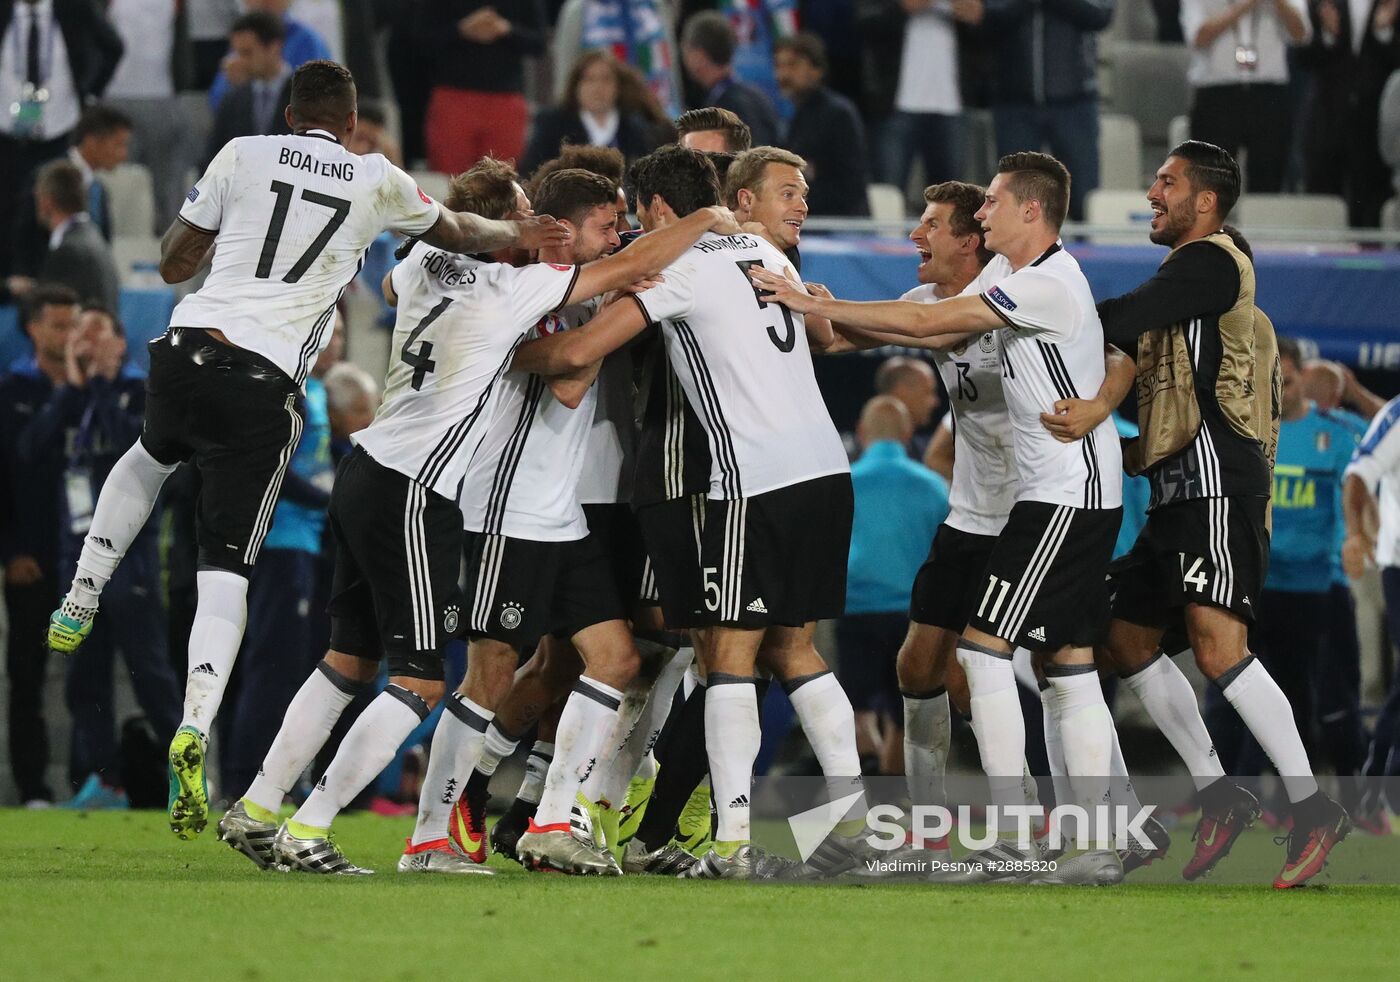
115 896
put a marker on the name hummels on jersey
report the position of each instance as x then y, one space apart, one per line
341 170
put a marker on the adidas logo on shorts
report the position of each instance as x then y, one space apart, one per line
205 669
756 608
740 802
1038 634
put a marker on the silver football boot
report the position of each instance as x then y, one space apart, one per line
247 835
561 852
1001 862
1093 867
669 860
443 859
316 855
747 863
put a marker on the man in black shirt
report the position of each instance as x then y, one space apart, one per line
707 52
825 129
1207 391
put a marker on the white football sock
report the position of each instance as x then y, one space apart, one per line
122 508
536 768
1265 710
997 722
588 718
829 722
928 733
366 750
219 619
457 745
306 726
1171 702
1085 726
496 748
619 756
732 738
637 750
1054 747
1120 782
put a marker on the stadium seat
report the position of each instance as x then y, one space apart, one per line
432 183
886 203
1291 211
1390 215
137 258
1149 84
131 200
1124 209
1178 130
1120 153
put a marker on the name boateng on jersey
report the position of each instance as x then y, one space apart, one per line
292 217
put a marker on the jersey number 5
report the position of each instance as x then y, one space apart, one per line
783 344
420 360
283 190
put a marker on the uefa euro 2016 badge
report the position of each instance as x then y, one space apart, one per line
1324 441
511 615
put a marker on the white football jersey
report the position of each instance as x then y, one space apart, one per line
522 481
293 216
745 367
456 328
610 456
1053 350
1377 462
984 460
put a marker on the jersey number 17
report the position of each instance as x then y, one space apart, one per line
340 209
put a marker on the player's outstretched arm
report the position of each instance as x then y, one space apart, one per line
570 389
650 254
574 351
911 323
462 232
1071 419
183 251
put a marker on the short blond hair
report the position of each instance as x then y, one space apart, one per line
750 168
488 189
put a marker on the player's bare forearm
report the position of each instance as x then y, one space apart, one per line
570 389
386 286
1359 509
462 232
183 251
649 254
574 351
1119 372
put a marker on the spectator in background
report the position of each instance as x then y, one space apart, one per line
635 96
209 21
1371 506
1239 80
77 257
1353 50
589 114
707 52
713 130
927 122
372 133
352 399
477 106
410 73
100 142
825 129
73 64
255 105
34 476
1293 613
1046 93
300 44
277 644
640 33
758 26
101 402
898 508
911 381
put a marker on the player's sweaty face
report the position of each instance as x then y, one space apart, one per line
999 215
780 205
596 234
1173 202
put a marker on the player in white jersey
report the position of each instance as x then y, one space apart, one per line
1043 587
288 219
778 516
461 323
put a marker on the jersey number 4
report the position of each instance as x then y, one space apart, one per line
340 211
420 360
785 343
